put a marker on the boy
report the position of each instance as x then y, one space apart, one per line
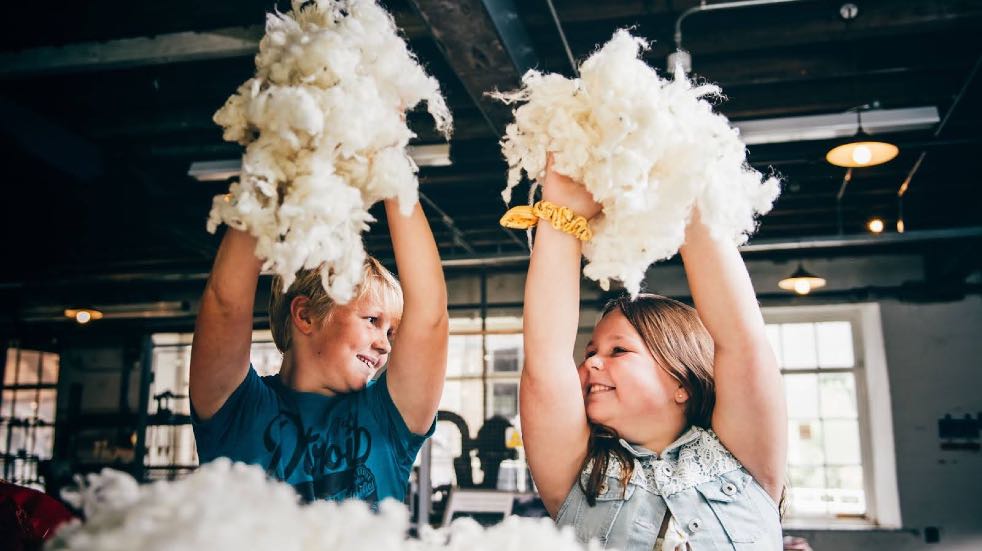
319 425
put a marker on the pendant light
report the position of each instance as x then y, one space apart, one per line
83 315
801 281
862 150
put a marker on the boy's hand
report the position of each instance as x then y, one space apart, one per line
565 192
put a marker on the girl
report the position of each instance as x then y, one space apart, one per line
671 433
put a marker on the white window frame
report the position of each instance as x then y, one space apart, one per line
873 407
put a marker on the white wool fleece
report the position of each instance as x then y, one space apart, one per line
325 138
647 148
225 506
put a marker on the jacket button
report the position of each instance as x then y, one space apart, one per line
729 489
666 470
602 490
694 525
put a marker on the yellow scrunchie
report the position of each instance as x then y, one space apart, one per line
523 217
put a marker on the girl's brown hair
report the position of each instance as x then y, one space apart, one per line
681 345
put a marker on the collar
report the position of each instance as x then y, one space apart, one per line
687 437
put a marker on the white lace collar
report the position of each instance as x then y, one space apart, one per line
695 457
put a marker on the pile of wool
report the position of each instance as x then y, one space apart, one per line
234 507
647 148
324 127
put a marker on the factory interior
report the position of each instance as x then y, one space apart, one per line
868 269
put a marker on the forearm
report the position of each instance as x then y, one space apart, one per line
235 272
418 263
223 331
721 288
552 299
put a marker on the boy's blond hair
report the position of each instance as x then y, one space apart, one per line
377 282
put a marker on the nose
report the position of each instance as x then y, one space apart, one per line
594 362
382 344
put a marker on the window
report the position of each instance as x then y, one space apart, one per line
27 414
170 447
483 371
828 361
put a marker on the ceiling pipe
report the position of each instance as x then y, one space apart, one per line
681 57
759 246
781 245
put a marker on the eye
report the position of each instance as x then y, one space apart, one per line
589 354
372 319
619 350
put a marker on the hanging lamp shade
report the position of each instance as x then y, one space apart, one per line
861 150
862 153
801 281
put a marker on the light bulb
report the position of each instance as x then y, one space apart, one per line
862 155
875 225
900 225
802 287
82 316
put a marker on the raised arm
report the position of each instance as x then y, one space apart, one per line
418 364
223 332
750 417
554 423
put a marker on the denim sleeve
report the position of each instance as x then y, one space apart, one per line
235 422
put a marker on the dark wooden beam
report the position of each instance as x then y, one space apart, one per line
486 44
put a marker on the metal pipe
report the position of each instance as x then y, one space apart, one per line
562 37
458 236
779 245
703 7
937 132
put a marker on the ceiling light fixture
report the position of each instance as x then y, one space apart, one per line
221 170
83 315
801 281
861 151
875 225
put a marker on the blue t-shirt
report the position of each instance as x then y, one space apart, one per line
354 445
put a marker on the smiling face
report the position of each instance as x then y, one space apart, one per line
352 343
624 388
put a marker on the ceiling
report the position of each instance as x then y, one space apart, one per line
104 105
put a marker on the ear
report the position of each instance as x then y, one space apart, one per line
681 395
300 315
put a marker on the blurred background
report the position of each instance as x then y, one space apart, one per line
868 267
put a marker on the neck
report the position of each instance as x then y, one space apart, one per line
662 437
294 377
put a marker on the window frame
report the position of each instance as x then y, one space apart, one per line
873 407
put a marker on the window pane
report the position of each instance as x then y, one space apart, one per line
49 368
805 442
464 355
846 495
835 344
807 491
842 442
465 399
266 358
798 346
801 393
22 369
504 399
838 395
774 336
504 353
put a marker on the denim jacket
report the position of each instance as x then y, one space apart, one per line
711 497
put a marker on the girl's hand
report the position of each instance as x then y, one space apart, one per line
565 192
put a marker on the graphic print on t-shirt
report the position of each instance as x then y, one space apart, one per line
333 462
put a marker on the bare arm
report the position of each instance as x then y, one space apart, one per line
750 417
223 331
418 364
554 423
